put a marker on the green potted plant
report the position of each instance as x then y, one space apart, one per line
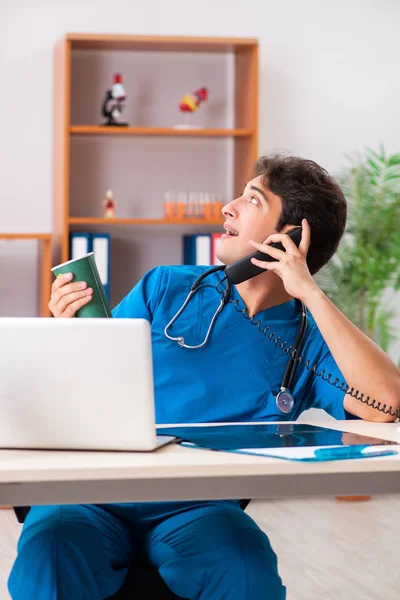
366 268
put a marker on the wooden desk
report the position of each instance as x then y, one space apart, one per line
30 477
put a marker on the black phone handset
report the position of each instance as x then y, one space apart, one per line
242 270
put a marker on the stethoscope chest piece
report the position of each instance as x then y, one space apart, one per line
285 401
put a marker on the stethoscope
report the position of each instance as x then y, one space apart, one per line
284 398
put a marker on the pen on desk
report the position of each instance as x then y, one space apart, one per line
340 452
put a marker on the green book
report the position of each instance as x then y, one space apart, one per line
85 269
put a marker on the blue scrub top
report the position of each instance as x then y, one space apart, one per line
237 374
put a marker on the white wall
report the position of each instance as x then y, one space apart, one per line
329 77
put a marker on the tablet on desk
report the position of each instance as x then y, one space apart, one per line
293 441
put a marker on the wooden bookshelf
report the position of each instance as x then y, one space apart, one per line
44 274
88 155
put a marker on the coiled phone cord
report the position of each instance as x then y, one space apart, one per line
305 363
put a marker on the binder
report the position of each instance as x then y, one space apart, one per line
79 245
101 246
197 249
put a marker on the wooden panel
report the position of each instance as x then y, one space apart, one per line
62 77
246 115
246 89
244 158
45 277
158 43
158 131
255 76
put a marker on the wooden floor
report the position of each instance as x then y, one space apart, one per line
328 550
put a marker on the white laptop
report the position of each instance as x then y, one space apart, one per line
83 384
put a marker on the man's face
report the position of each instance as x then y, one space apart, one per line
252 216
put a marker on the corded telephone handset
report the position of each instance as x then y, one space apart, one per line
242 270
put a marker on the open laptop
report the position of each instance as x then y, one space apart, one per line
83 384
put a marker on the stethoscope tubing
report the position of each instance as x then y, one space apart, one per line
284 399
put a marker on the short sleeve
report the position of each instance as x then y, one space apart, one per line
323 394
143 300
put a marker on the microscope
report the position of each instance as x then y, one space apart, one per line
114 102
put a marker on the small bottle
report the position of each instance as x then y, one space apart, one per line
194 207
207 206
169 205
181 205
200 197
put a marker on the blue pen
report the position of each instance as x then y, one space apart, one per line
343 452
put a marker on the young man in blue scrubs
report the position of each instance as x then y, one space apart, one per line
213 550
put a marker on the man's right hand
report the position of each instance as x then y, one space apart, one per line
68 297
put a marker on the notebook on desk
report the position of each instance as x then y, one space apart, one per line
292 441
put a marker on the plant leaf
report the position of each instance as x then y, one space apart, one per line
367 262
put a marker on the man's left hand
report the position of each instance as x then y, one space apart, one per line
291 266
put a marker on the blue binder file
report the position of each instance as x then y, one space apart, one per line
197 249
188 250
101 246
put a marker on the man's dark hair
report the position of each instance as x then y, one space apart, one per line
307 192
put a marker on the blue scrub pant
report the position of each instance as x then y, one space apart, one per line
203 551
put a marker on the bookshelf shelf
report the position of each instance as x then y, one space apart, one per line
107 42
157 131
44 240
26 236
165 222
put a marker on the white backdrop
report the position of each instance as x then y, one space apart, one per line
329 82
